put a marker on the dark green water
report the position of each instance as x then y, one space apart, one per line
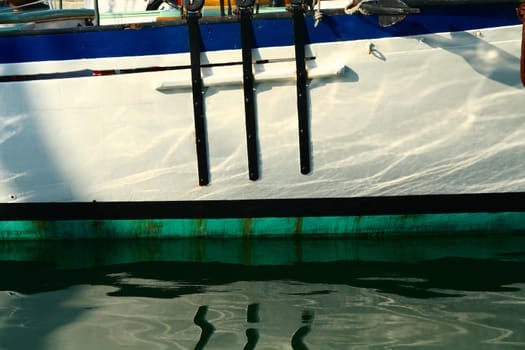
462 293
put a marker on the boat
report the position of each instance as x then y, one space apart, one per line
369 118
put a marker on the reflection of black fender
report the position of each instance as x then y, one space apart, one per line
155 4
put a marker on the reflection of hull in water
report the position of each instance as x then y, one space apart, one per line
412 128
228 293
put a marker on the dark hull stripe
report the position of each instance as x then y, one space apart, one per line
397 205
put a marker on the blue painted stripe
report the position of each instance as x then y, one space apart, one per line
163 39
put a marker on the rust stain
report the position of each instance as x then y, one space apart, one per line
356 223
42 228
41 225
154 227
101 229
133 26
149 229
200 227
246 227
298 226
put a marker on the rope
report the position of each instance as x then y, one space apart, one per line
355 6
318 16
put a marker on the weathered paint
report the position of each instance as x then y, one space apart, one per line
88 253
246 227
277 227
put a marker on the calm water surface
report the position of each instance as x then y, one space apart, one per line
464 293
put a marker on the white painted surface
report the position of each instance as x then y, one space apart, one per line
422 115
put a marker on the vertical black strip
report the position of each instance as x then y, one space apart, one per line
97 13
198 100
298 337
252 334
249 101
221 5
207 328
302 101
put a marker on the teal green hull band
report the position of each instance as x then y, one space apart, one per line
276 227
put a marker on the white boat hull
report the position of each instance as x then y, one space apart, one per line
413 129
432 114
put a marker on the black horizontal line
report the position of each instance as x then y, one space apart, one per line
105 72
359 206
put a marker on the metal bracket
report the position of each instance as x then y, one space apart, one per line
201 138
245 12
299 25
